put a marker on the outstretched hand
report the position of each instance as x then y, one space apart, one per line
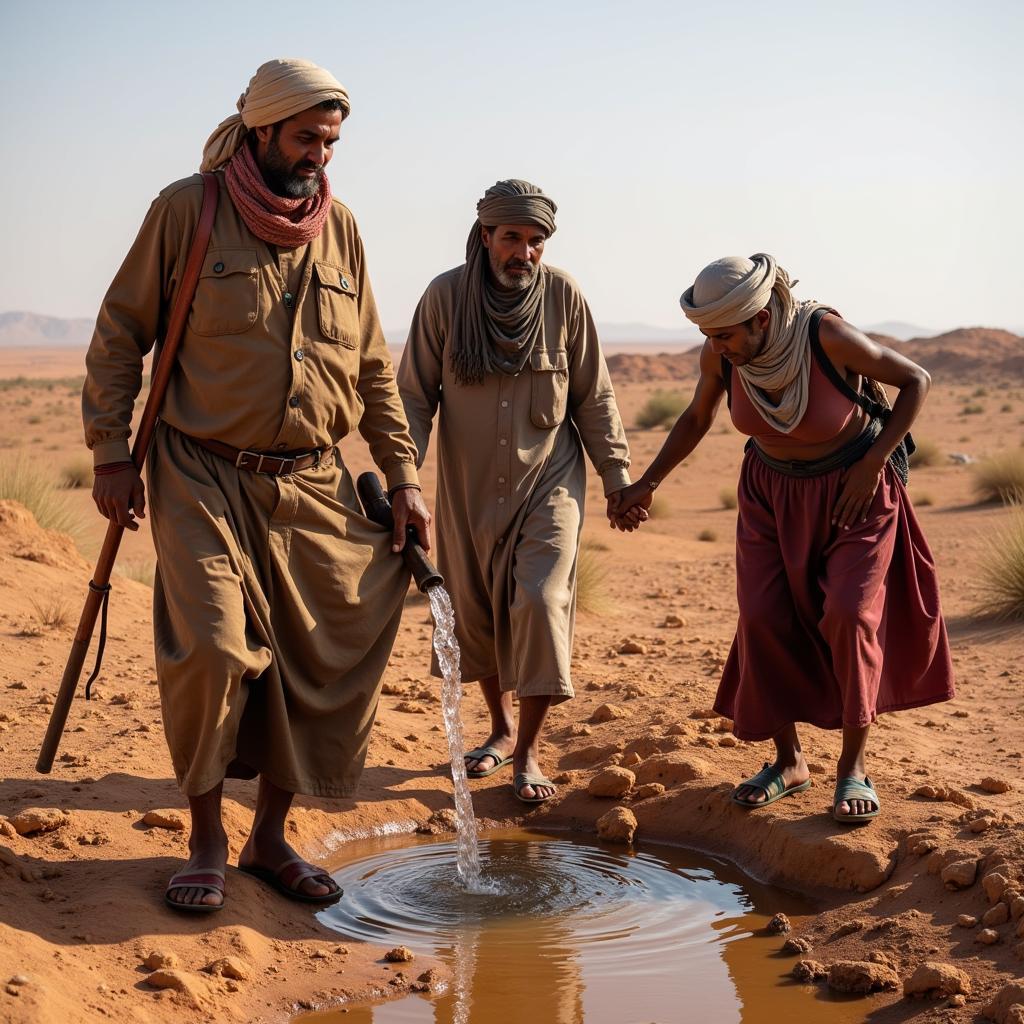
627 508
409 509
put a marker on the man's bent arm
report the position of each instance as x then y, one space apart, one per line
383 424
131 318
592 401
419 374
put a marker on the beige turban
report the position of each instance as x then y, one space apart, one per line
732 290
279 89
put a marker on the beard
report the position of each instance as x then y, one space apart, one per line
513 281
282 177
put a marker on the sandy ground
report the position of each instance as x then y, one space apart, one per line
80 897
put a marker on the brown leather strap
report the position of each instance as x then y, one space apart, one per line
176 322
271 463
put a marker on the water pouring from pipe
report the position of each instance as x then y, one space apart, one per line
431 583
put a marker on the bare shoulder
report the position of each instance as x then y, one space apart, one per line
710 364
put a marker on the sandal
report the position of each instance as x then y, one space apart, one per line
203 878
853 789
287 878
499 759
771 782
525 779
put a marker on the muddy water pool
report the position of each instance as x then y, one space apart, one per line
571 930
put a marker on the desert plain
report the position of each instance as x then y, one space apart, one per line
937 879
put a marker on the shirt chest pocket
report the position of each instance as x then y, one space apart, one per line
550 387
337 304
227 299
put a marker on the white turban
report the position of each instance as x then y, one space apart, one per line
279 89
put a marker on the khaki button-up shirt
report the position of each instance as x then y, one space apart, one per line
282 350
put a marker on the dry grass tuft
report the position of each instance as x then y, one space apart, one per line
592 571
1002 571
76 474
707 535
1000 478
54 612
923 500
23 481
927 454
142 572
662 409
727 496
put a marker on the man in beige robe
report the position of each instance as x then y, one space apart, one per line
505 347
276 601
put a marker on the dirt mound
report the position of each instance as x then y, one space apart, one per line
23 538
650 369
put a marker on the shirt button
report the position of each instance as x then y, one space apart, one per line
503 442
501 501
294 401
501 479
300 355
504 403
218 268
344 284
289 299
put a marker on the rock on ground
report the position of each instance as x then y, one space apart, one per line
1007 1006
612 782
861 976
38 819
399 955
618 825
935 980
809 970
171 820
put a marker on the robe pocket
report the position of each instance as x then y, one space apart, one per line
336 295
227 297
550 387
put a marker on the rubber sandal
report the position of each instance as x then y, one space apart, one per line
525 779
771 782
853 789
203 878
487 752
288 876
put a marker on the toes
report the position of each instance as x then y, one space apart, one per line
843 808
212 898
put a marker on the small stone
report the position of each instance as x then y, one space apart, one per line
966 920
987 937
580 729
1017 908
631 647
778 925
728 741
646 791
631 760
991 785
850 927
934 980
809 970
171 820
38 819
399 955
958 1000
960 874
613 782
795 945
981 824
1002 1006
617 825
994 885
410 708
677 729
230 967
18 979
428 981
861 976
171 979
674 622
995 916
121 698
608 713
159 959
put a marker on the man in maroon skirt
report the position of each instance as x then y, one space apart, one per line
839 615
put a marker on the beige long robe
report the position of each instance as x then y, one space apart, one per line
276 602
512 482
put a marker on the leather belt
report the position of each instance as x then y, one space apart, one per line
271 463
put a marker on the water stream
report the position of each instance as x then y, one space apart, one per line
447 649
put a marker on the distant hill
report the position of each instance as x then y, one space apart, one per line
899 330
33 330
968 352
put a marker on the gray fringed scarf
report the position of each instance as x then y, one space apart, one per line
495 329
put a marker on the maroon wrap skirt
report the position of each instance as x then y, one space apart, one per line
835 626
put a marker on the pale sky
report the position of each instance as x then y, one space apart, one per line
875 148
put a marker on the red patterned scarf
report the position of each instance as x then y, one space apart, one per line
276 219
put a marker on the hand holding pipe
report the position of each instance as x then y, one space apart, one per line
378 508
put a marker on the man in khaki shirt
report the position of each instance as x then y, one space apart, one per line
505 347
276 602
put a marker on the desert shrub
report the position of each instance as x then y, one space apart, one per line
1000 477
592 592
708 535
972 410
1002 571
979 393
53 612
141 571
923 500
76 474
727 496
1006 407
24 481
662 409
926 454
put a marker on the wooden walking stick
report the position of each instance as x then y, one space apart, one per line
99 585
